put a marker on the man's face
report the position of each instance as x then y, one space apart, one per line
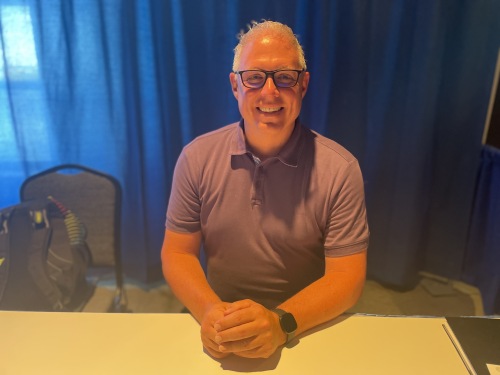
269 108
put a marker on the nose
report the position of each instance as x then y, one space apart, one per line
270 88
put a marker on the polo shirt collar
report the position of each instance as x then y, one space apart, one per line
238 146
289 154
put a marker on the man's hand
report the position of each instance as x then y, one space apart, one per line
248 329
208 332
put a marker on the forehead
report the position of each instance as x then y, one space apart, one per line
269 52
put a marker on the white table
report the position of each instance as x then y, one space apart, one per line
169 344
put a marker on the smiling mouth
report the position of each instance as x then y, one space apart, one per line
269 109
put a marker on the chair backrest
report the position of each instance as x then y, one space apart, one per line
93 196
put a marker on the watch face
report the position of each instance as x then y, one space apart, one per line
288 323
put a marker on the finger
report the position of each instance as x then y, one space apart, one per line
244 339
241 325
235 319
215 353
208 334
238 305
259 349
243 345
239 333
210 344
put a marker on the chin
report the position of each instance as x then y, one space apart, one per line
270 124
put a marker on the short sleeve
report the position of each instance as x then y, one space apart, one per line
347 227
183 212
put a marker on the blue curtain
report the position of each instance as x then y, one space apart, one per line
122 85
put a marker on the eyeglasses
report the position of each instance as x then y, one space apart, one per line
255 79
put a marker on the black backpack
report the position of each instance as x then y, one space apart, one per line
43 258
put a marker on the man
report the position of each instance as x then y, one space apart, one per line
279 209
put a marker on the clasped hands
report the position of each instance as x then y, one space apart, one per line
244 328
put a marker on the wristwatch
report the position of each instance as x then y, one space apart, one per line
287 323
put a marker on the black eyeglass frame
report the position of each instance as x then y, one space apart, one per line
270 73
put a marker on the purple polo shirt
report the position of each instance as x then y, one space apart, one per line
268 226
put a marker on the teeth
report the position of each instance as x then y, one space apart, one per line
270 109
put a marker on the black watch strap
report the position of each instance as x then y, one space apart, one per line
287 323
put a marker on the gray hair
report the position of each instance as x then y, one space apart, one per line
266 27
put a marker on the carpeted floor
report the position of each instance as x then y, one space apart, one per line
433 296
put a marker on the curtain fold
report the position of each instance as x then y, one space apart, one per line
122 85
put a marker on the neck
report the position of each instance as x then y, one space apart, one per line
265 141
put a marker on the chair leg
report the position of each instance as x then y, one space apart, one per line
119 304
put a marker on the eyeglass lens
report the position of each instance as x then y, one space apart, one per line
281 78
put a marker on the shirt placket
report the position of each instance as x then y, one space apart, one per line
258 184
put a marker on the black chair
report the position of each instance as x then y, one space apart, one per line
95 198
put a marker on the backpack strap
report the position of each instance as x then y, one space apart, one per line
37 255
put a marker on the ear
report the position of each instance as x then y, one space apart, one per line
233 80
305 83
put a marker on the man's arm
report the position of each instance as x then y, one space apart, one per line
331 295
250 330
184 274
